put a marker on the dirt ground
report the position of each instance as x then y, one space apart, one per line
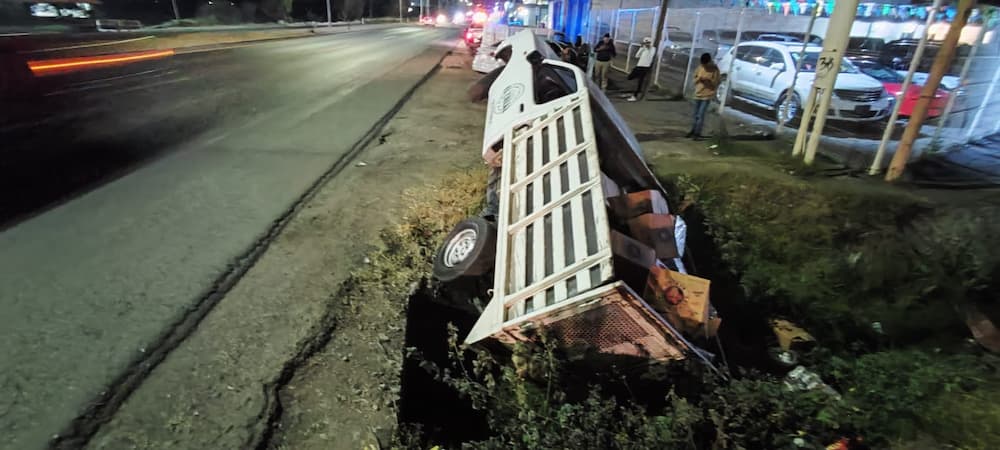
343 396
346 395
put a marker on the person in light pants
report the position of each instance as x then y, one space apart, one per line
603 52
644 60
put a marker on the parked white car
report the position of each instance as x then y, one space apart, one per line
762 74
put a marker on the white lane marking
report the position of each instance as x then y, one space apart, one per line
97 44
162 83
101 80
103 83
130 89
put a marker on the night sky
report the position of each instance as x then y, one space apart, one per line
155 11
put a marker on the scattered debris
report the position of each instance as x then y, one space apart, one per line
790 335
802 379
361 164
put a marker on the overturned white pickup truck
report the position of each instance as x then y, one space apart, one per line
583 246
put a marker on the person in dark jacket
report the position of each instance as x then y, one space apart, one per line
582 53
604 51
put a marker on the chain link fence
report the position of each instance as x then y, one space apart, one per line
883 41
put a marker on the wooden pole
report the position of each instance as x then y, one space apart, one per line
661 24
941 64
890 125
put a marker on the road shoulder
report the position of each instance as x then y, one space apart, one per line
214 389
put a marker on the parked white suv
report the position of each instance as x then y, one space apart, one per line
762 74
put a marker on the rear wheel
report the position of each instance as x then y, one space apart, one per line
788 110
469 250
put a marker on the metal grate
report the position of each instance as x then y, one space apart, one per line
604 328
554 241
612 320
858 96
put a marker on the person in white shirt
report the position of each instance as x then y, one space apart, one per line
644 59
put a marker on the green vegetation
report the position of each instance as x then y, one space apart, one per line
835 255
839 255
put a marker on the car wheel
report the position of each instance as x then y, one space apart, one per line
788 110
469 250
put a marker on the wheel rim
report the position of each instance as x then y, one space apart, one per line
723 90
459 247
787 110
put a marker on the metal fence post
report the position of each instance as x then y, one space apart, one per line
986 101
943 120
732 61
887 134
694 40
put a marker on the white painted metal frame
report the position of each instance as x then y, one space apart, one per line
555 222
553 240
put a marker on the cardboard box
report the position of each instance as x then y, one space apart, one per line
682 299
656 231
638 203
632 260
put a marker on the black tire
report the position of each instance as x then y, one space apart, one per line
468 251
795 105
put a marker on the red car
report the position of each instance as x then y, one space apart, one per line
473 36
893 83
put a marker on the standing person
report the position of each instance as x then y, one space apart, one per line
644 60
706 81
582 53
604 51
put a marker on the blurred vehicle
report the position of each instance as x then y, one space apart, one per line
769 36
899 53
486 61
762 74
677 49
427 20
473 36
441 20
773 37
893 83
865 46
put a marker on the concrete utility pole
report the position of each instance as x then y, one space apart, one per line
329 14
177 12
661 24
941 63
914 63
838 33
400 11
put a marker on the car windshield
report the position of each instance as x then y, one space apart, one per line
812 60
680 37
880 72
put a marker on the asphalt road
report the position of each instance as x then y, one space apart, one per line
125 194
